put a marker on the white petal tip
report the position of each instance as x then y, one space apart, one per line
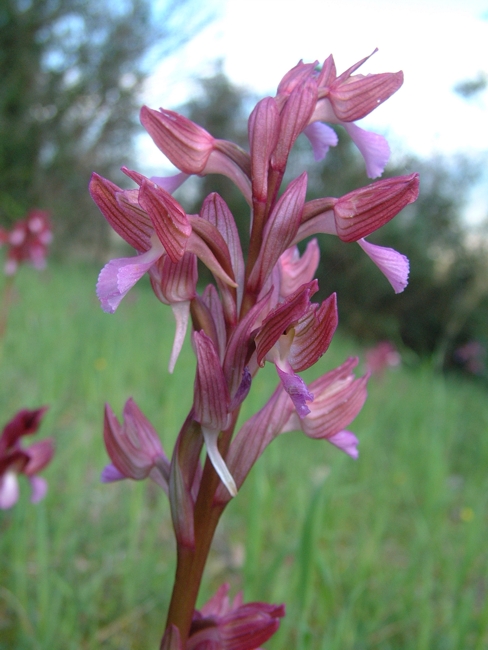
211 437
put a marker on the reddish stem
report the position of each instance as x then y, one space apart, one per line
191 561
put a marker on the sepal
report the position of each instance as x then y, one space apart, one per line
366 209
313 334
121 209
282 318
184 478
187 145
354 97
211 403
134 447
40 454
170 221
294 117
25 422
222 625
280 230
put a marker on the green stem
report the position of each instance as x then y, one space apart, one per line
5 309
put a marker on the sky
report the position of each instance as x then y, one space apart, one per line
437 44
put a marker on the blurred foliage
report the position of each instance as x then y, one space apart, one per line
469 88
72 72
446 302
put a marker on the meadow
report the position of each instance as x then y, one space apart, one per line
387 552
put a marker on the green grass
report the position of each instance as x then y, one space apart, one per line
388 552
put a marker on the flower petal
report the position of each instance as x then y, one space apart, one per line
394 266
39 488
211 396
296 270
297 390
347 441
120 275
211 437
321 137
170 183
373 147
110 474
9 490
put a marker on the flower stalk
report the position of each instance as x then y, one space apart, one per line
255 311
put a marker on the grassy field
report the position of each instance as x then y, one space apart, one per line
387 552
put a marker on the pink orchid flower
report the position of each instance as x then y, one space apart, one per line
16 459
224 625
28 241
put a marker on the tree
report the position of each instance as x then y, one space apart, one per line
72 73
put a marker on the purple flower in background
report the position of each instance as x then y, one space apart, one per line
384 355
16 459
27 241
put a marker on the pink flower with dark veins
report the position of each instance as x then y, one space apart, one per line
255 309
224 625
134 448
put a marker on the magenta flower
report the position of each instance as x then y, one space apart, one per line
134 448
168 242
293 337
343 100
347 98
361 212
16 459
27 241
338 398
152 221
384 355
222 625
